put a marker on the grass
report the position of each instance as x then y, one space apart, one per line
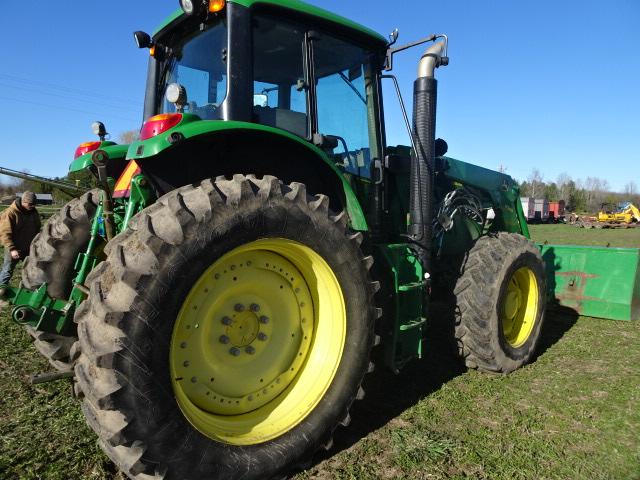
572 414
570 235
43 434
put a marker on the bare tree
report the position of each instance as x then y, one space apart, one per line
630 188
128 137
536 183
564 183
596 190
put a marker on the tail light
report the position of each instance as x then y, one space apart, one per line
86 148
158 124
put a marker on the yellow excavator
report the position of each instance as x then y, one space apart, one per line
629 213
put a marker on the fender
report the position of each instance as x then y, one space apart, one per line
192 128
115 152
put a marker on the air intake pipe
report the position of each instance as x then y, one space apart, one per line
425 93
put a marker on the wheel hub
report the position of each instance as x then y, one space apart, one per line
519 307
246 329
512 303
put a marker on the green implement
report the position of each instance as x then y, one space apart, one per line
594 281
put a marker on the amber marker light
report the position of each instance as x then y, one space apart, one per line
152 50
216 5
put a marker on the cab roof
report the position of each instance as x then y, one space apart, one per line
296 6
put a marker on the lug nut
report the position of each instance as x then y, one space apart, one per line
250 350
226 321
262 336
255 307
235 351
239 307
224 339
264 319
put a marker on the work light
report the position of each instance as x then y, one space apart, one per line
201 7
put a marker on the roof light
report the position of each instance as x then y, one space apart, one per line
201 7
187 6
216 5
86 148
158 124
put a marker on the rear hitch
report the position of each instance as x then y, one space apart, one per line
37 309
24 315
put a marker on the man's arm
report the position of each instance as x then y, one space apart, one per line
7 224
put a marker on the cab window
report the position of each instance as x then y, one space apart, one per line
345 85
279 93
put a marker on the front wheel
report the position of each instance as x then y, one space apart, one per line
227 333
500 303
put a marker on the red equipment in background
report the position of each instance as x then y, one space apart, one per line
556 211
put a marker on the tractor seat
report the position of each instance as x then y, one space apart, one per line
294 122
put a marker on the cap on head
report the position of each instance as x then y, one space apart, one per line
29 198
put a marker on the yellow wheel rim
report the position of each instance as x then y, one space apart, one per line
519 307
257 342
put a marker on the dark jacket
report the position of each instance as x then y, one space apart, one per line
18 226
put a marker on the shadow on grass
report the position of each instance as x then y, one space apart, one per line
389 395
558 321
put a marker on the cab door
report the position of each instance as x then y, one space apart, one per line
345 93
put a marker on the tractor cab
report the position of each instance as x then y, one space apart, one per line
274 66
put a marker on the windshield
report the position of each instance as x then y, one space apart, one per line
198 63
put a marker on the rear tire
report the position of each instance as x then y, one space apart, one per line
148 389
51 260
500 300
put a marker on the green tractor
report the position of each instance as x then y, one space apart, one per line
221 297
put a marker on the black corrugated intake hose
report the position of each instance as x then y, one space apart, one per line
425 93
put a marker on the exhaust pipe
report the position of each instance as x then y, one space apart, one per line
425 93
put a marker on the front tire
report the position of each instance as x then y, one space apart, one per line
500 300
182 376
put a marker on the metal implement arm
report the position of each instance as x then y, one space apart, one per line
46 181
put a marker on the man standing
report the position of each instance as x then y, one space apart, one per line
19 224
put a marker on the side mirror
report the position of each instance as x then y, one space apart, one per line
143 40
260 100
393 36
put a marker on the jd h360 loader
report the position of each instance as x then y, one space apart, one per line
221 296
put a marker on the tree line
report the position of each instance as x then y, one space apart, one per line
580 195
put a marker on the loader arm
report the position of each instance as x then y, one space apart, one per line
633 211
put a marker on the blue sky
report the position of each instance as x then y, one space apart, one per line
552 85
